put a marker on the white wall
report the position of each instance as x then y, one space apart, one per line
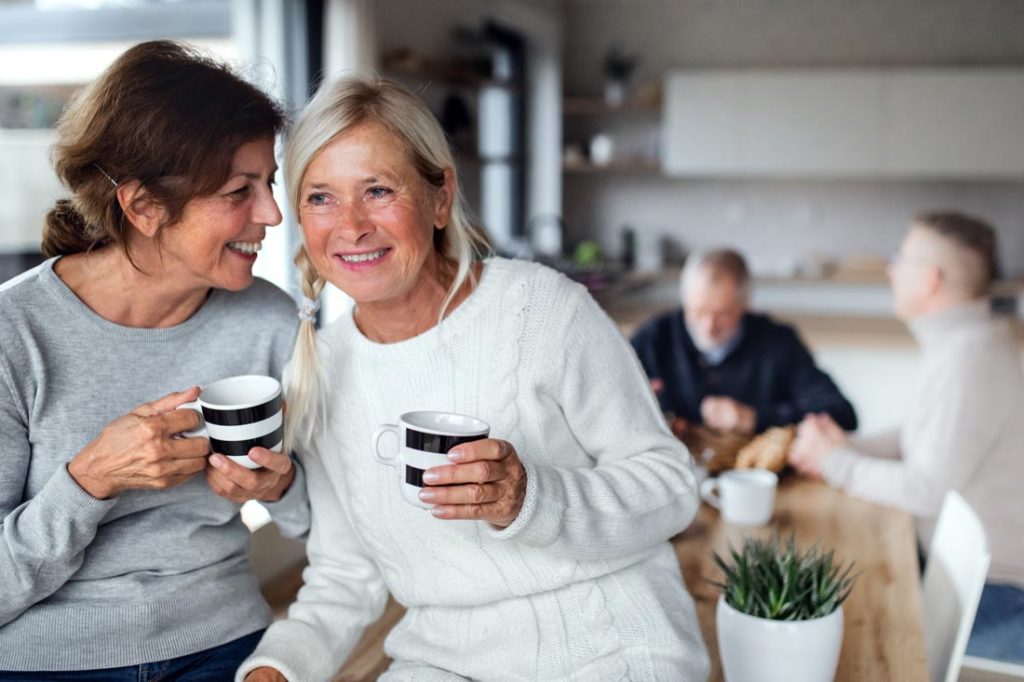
774 220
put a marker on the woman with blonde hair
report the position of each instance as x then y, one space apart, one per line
544 554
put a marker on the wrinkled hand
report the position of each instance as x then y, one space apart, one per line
140 450
234 482
265 674
726 414
816 437
487 482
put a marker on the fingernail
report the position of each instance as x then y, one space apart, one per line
217 461
256 456
430 477
455 455
427 496
439 512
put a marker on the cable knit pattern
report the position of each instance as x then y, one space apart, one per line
583 585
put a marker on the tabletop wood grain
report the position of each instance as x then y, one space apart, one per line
883 637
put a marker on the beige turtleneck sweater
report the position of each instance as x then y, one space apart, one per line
964 432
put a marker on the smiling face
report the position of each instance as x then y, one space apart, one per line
216 241
368 217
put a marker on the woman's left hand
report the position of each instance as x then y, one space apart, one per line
816 437
234 482
486 482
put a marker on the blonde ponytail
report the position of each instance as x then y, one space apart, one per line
304 387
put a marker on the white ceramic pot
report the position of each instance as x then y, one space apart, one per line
761 650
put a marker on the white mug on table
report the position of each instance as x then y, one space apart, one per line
745 497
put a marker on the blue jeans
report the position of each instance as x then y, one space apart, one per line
998 631
212 665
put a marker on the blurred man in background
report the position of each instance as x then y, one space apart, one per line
715 363
965 429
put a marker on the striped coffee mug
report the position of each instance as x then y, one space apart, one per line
424 440
240 413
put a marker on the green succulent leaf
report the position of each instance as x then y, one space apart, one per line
776 580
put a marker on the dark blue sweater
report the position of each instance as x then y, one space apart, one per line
770 370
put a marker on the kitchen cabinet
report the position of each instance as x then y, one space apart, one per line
963 123
873 123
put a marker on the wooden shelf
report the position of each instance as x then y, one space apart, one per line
587 106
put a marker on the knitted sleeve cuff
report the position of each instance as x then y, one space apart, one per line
838 467
64 493
291 512
294 649
536 525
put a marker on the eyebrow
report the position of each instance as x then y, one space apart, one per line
254 176
369 180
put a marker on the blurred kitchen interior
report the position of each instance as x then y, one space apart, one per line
612 137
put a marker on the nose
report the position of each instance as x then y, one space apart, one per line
352 222
266 210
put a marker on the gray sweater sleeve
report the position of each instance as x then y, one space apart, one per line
42 540
291 512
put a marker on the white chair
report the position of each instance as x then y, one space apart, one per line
976 669
953 579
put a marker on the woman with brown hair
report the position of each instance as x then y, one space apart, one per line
122 554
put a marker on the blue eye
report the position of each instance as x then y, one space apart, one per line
379 192
316 199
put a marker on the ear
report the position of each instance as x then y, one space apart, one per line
933 279
138 205
444 197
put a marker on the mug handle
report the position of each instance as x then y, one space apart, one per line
377 435
198 432
709 493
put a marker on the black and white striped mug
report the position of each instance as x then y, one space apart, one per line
424 439
240 413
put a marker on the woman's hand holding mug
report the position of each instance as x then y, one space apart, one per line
486 482
140 450
239 484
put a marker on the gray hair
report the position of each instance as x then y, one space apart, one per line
721 263
337 107
976 244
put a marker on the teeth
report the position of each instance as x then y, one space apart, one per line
246 247
363 257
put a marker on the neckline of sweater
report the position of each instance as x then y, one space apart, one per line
937 327
491 275
75 306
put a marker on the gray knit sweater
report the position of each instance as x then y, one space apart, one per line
147 575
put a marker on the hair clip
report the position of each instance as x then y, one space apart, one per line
100 169
308 308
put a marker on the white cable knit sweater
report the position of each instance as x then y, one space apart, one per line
583 585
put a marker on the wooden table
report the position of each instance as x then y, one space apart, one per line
883 637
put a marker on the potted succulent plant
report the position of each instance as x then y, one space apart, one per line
780 616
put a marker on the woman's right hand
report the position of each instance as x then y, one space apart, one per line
139 450
265 675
